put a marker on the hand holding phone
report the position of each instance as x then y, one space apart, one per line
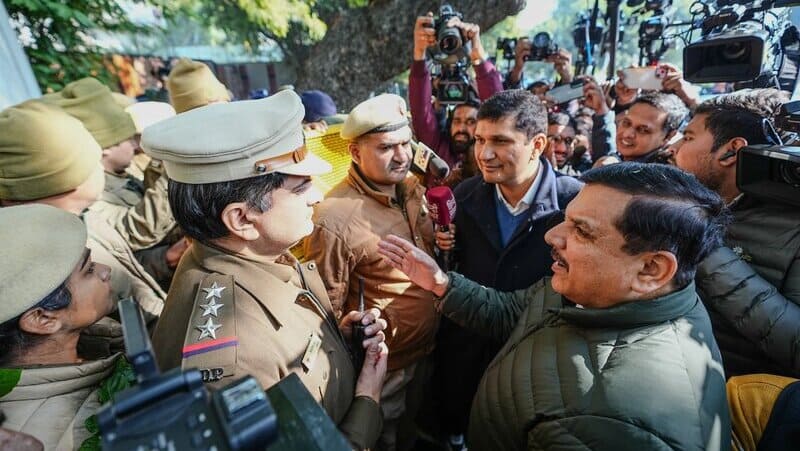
566 92
649 78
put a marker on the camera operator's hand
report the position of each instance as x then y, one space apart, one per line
522 50
562 63
673 82
472 32
370 379
593 96
424 36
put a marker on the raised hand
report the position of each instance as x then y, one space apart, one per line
420 267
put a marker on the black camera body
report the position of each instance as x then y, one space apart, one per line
175 410
771 172
453 86
451 45
542 47
740 41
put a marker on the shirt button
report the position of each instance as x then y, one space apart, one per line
325 375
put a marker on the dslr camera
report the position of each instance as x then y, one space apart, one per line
772 171
450 43
542 47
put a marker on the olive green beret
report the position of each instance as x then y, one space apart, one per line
43 152
383 113
91 102
41 247
191 84
232 141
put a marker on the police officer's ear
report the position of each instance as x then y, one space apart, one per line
239 220
38 321
355 151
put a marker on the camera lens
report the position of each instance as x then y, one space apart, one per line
790 173
735 51
449 40
541 39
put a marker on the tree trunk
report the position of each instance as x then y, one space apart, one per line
365 47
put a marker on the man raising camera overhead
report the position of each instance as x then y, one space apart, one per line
455 144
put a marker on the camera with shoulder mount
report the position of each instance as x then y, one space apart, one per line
772 170
451 54
742 41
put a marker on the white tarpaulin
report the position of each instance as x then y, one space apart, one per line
17 82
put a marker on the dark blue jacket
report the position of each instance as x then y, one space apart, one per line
461 355
480 255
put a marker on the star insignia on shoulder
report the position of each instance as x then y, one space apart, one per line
215 291
211 308
208 330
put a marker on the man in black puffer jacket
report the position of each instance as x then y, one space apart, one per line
751 286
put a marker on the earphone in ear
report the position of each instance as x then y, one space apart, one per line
727 155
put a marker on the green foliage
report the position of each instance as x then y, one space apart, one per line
122 378
56 40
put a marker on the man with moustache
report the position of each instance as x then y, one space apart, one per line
378 197
615 351
454 145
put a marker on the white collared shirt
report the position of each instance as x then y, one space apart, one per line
525 203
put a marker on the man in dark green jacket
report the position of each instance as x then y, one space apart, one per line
615 352
751 286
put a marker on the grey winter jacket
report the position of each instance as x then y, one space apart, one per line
752 289
643 375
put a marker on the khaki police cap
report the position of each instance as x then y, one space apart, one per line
145 114
383 113
41 247
233 141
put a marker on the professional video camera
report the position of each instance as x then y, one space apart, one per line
175 411
653 41
451 53
542 46
742 41
773 170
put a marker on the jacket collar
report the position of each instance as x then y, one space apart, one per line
43 382
480 205
363 186
633 314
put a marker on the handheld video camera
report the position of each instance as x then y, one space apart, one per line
773 170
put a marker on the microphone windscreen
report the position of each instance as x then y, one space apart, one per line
438 167
441 204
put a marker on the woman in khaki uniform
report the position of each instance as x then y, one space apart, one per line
240 303
47 389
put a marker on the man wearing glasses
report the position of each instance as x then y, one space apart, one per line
751 286
503 214
561 142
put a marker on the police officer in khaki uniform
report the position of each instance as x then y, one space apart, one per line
139 212
240 304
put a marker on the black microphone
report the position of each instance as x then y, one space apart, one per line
426 161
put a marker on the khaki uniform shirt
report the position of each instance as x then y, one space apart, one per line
140 213
230 317
128 277
348 225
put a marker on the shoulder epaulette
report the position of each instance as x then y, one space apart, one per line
211 342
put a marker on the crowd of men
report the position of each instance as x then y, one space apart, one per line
609 285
